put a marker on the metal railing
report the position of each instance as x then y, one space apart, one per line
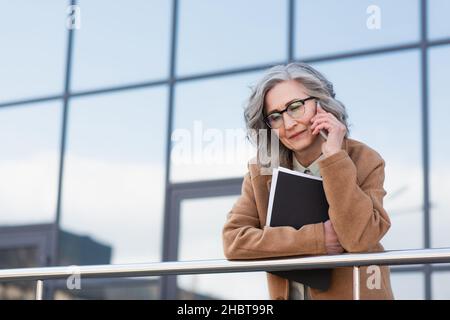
355 260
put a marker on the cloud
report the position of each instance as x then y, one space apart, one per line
28 189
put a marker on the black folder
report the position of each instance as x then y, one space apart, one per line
297 199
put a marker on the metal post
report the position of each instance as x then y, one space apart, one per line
356 283
39 289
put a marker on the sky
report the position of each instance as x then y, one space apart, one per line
114 174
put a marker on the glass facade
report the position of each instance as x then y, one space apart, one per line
29 162
120 43
326 27
113 174
104 104
439 146
201 239
27 56
219 35
211 118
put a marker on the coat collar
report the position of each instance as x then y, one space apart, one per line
269 180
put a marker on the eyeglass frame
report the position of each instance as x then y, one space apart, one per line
287 105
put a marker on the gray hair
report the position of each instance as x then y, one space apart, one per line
316 85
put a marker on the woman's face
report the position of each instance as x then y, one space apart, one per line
295 134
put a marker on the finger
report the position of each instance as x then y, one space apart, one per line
330 121
319 121
334 241
321 112
336 247
319 116
334 251
327 116
324 114
324 125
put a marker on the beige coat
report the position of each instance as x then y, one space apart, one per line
353 182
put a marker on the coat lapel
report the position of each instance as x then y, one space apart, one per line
269 180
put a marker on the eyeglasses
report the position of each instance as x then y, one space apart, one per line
295 109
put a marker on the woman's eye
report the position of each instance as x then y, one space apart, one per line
275 117
295 106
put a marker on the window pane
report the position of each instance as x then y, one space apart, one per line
29 163
114 175
325 27
32 58
408 285
209 130
382 97
200 243
441 285
439 145
438 11
216 35
19 257
120 43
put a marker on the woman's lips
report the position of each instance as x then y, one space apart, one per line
301 133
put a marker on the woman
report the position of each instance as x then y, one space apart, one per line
299 105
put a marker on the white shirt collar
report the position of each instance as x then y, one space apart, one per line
313 167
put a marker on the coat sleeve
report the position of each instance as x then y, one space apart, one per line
356 208
244 237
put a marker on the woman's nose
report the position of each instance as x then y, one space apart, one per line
288 121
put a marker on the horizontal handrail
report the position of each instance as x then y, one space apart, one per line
396 257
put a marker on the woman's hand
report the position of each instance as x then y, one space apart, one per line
336 131
331 240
